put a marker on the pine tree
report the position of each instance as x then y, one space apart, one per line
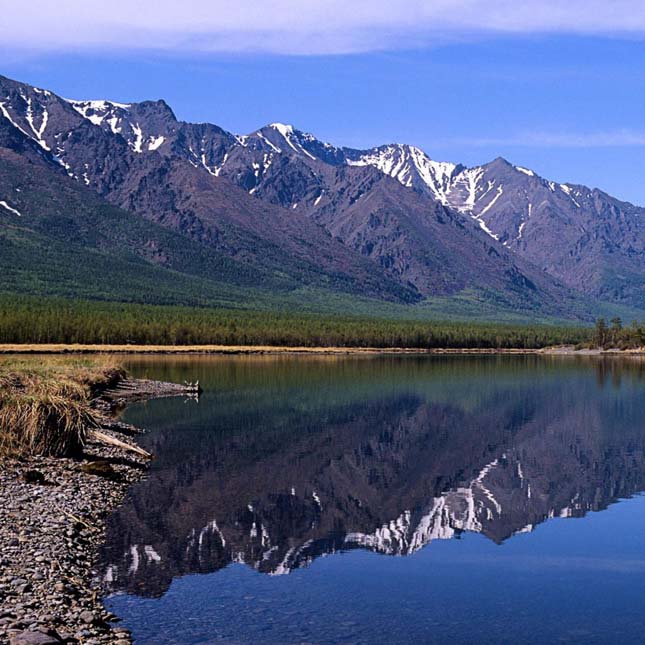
600 334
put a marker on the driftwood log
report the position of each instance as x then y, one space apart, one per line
102 437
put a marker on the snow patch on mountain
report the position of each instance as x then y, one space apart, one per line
569 191
138 141
113 122
155 142
390 160
491 203
523 224
437 175
218 169
265 140
38 131
5 113
116 118
97 111
11 209
100 105
411 167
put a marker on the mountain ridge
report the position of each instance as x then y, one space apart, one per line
402 218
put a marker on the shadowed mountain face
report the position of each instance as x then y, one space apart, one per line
282 462
388 223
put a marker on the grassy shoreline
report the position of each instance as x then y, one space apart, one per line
62 349
46 405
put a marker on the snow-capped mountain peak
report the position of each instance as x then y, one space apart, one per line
97 104
478 191
98 111
116 118
410 166
127 120
292 138
283 128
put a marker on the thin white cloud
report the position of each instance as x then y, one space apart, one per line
301 27
609 139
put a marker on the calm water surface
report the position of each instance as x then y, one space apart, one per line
387 500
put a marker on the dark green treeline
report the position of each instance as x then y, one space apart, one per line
30 320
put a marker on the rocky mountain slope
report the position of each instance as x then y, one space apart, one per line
388 223
210 230
590 240
59 238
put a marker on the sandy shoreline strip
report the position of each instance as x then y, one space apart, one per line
271 349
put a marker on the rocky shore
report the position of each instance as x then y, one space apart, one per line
52 521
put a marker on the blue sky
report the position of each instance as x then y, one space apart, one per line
569 105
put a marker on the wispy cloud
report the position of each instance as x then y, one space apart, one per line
613 139
301 27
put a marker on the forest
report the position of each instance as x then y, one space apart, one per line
615 334
39 321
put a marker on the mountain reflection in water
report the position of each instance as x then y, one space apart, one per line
284 460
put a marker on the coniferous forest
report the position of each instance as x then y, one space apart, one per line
37 321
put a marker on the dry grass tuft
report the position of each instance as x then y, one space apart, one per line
45 404
48 425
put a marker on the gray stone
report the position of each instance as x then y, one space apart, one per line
87 617
34 638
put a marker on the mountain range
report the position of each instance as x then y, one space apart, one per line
105 199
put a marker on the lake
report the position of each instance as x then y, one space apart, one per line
410 499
